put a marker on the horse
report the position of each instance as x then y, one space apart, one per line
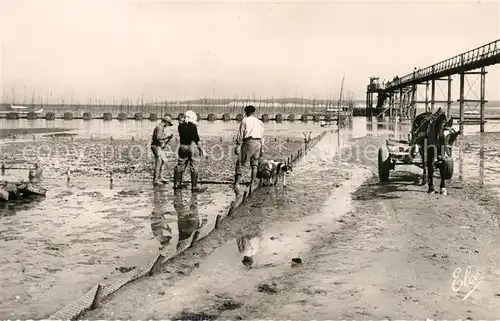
434 137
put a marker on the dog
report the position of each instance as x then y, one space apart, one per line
269 171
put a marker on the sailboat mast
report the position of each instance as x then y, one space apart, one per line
340 101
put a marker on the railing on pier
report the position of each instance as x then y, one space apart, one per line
482 56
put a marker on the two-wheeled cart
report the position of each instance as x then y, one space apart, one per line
406 152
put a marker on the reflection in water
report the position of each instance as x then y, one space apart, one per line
249 245
189 220
12 207
350 125
185 216
481 160
161 219
381 125
460 159
4 209
369 124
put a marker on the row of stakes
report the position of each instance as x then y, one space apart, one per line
155 117
308 144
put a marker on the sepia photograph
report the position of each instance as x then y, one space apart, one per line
250 160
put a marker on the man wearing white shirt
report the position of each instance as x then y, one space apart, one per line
248 144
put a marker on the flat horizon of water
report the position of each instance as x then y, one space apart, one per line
98 128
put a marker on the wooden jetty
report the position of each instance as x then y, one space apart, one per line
399 96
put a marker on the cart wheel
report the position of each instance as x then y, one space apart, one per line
446 168
384 164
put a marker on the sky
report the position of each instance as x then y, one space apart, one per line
84 50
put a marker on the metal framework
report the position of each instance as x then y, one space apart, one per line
399 96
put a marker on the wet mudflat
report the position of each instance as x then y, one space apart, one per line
55 249
99 225
217 255
369 251
58 247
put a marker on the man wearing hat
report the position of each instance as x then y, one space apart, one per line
158 143
248 144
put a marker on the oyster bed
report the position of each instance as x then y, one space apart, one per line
133 158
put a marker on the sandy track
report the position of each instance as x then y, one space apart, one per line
392 258
390 253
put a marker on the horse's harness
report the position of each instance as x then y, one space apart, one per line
418 134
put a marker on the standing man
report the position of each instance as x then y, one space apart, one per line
189 153
158 143
248 144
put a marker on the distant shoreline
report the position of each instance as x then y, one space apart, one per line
8 132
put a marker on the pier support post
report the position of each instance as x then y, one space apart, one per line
391 105
400 113
462 86
482 98
448 107
369 103
413 102
433 94
427 96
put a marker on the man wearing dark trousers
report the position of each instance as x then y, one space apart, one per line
158 143
189 153
248 144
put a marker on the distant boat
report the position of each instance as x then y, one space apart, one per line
18 107
21 110
326 124
473 113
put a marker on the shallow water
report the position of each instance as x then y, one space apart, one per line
98 128
57 247
60 246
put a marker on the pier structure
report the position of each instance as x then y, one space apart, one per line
400 96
